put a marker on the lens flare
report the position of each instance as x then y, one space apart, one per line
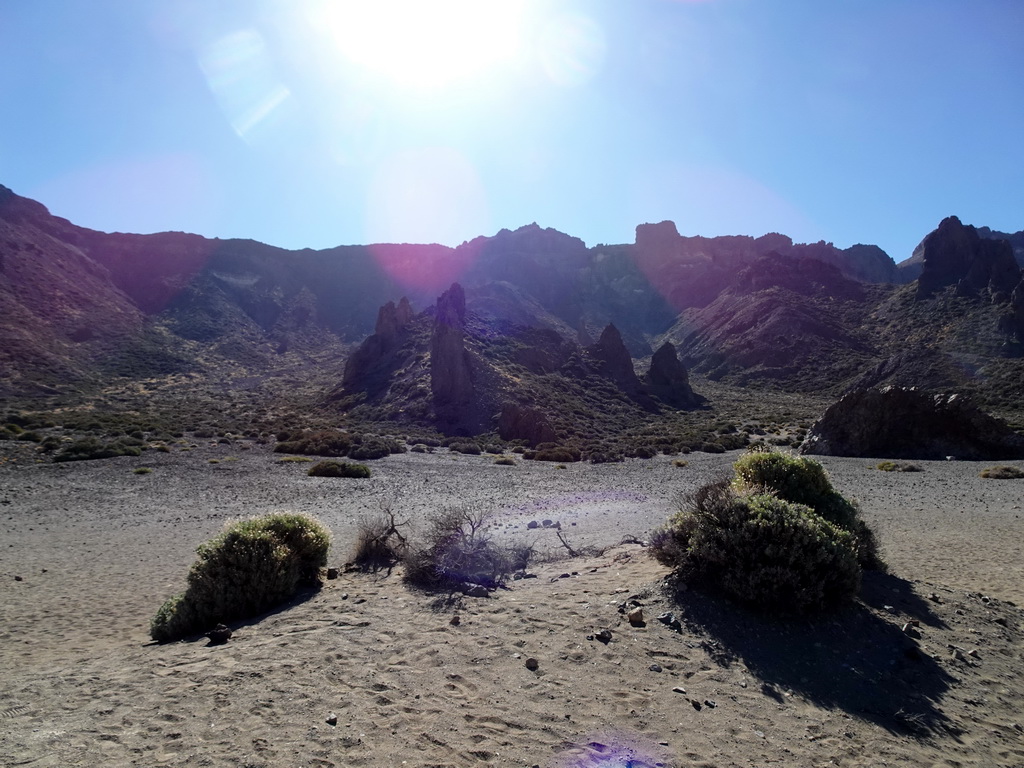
241 76
572 49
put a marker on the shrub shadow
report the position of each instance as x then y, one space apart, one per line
854 659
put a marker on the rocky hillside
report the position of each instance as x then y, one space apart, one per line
83 313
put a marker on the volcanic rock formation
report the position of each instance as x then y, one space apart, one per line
907 423
954 254
667 378
451 372
611 360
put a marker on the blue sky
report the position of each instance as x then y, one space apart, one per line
311 123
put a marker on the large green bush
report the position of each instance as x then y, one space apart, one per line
761 550
249 568
801 480
338 469
90 448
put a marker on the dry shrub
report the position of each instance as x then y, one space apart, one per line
331 468
1002 473
249 568
379 542
458 549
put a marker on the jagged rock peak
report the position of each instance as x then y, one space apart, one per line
613 360
451 307
954 254
667 378
392 319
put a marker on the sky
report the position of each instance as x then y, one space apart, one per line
316 123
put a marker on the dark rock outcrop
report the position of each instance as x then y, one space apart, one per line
667 378
376 348
954 254
519 422
902 423
611 360
451 374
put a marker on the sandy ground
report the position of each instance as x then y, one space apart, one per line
89 550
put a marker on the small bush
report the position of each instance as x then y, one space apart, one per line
680 463
897 466
338 469
1002 473
458 549
760 550
560 454
141 471
374 447
249 568
712 448
420 448
325 442
465 447
91 448
505 461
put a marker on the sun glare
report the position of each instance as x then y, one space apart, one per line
424 45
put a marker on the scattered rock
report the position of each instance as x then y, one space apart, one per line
332 719
710 703
455 620
636 617
973 653
332 573
219 635
532 524
547 523
677 689
934 598
474 590
696 704
18 578
655 667
604 635
532 664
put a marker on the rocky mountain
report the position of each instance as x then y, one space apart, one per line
542 329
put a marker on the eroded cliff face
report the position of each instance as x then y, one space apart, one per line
610 359
388 335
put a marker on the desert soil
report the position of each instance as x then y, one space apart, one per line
368 672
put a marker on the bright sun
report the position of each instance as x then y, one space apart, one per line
425 44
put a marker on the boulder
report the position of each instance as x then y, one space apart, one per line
667 378
519 422
907 423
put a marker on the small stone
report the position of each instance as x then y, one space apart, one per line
677 689
359 600
909 630
973 653
636 617
332 573
565 576
1001 621
455 621
934 598
655 667
219 635
18 578
710 704
1018 726
666 618
344 595
604 635
474 590
332 719
532 524
532 664
547 523
743 683
696 704
986 599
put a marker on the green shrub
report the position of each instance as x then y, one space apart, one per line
459 549
249 568
141 471
294 460
801 480
90 448
1002 473
466 447
761 550
367 447
560 454
338 469
897 466
505 461
31 436
325 442
712 447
